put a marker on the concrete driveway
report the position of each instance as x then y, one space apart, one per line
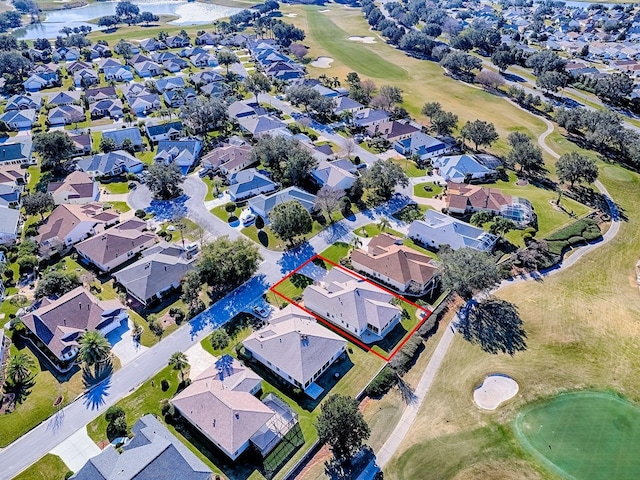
199 360
122 344
76 450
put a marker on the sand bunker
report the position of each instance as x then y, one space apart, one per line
363 39
322 62
291 15
324 11
494 390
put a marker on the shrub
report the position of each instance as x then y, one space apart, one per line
164 384
576 240
345 206
382 383
31 231
356 160
117 428
68 475
405 356
230 207
114 412
27 263
140 213
131 177
312 136
177 314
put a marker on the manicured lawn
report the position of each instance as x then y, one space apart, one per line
264 237
361 58
120 207
430 191
336 252
34 177
373 229
47 468
584 435
116 187
421 81
410 168
583 319
37 404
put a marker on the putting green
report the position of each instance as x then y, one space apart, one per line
584 435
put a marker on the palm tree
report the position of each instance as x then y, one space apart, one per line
179 361
355 242
19 367
383 224
227 58
94 348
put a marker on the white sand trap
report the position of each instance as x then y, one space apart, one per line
291 15
362 39
322 62
495 389
324 11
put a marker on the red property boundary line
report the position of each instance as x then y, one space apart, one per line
338 330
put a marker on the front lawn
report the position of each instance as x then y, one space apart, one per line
373 229
48 467
120 207
409 167
116 188
427 190
35 403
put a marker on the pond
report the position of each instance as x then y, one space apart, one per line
188 13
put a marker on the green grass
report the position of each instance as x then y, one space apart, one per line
373 229
410 168
34 177
583 435
209 196
120 207
37 405
117 188
47 468
419 190
336 252
362 59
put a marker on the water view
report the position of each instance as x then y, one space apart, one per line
188 13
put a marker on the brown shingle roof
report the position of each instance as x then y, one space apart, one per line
65 218
395 261
78 184
59 323
476 197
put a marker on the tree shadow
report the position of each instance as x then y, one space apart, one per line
98 374
263 238
21 390
349 469
95 397
493 324
408 395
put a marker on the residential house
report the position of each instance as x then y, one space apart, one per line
296 348
463 198
421 145
69 54
120 134
152 453
77 188
74 67
174 65
232 157
101 93
70 224
353 304
177 97
163 131
147 69
37 82
19 119
105 63
285 71
183 152
176 41
203 60
64 98
206 77
263 125
243 109
221 405
141 100
10 196
206 38
116 245
345 104
23 102
464 168
106 108
83 144
98 50
110 164
190 51
438 229
333 175
215 89
14 153
369 117
9 225
388 261
66 115
248 183
13 176
170 83
60 323
118 74
85 78
151 45
158 272
262 204
393 131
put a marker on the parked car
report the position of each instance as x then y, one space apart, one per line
249 220
203 172
261 311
